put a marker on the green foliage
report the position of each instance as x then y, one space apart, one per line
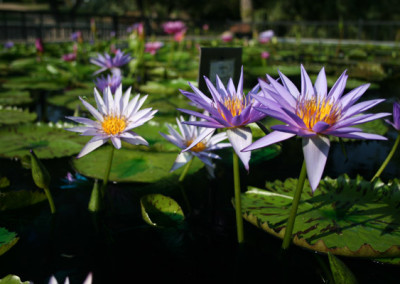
341 273
10 116
7 240
161 211
344 216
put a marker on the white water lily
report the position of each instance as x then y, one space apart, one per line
115 118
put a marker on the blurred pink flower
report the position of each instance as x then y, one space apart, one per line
265 55
153 47
178 37
265 36
227 36
39 45
69 57
174 27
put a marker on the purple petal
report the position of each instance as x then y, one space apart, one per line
199 138
361 135
241 137
338 88
315 151
320 127
289 85
321 86
307 88
272 138
282 95
350 98
363 106
239 89
181 160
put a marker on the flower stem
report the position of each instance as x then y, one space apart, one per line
107 172
238 202
386 162
181 178
293 210
50 199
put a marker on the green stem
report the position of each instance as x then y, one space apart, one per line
50 199
238 202
185 170
386 162
107 172
293 210
262 127
181 178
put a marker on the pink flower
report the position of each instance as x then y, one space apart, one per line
178 37
69 57
265 55
265 36
39 45
153 47
174 27
227 36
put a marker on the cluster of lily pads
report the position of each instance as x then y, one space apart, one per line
154 141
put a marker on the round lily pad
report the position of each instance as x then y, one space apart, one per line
130 165
15 115
33 83
16 199
161 211
350 217
7 240
48 141
12 279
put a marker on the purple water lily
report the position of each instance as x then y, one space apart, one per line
115 118
107 62
112 81
202 150
229 108
396 117
313 114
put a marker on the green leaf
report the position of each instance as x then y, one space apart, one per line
48 141
12 279
9 116
344 216
15 97
7 240
130 165
341 273
16 199
161 211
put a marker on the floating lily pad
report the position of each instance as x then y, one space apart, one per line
33 83
7 240
130 165
167 87
12 279
350 217
15 97
16 199
14 115
47 141
261 71
161 211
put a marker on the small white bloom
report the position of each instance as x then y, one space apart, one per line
202 150
115 118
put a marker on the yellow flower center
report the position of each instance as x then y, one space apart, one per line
235 105
199 147
113 124
314 110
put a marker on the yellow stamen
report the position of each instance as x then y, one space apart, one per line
235 105
199 147
315 110
113 124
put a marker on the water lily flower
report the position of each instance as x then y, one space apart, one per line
265 36
178 37
229 108
396 117
153 47
39 45
313 113
202 150
107 62
227 36
88 280
173 27
112 81
69 57
8 44
265 55
115 118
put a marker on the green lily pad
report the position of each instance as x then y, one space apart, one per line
48 141
389 260
166 87
130 165
261 71
7 240
13 115
16 199
12 279
344 216
33 83
161 211
13 98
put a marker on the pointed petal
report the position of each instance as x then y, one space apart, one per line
116 141
320 127
337 89
93 144
307 88
272 138
92 110
315 151
241 137
133 138
100 103
289 85
321 86
199 138
239 89
181 160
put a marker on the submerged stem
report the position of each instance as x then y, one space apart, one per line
293 210
181 178
107 171
185 170
238 202
386 162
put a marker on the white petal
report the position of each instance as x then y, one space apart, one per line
88 279
116 141
92 110
125 101
133 138
181 160
100 103
240 138
117 99
93 144
53 280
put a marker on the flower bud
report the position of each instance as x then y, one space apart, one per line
40 175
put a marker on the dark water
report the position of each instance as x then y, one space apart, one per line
117 246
